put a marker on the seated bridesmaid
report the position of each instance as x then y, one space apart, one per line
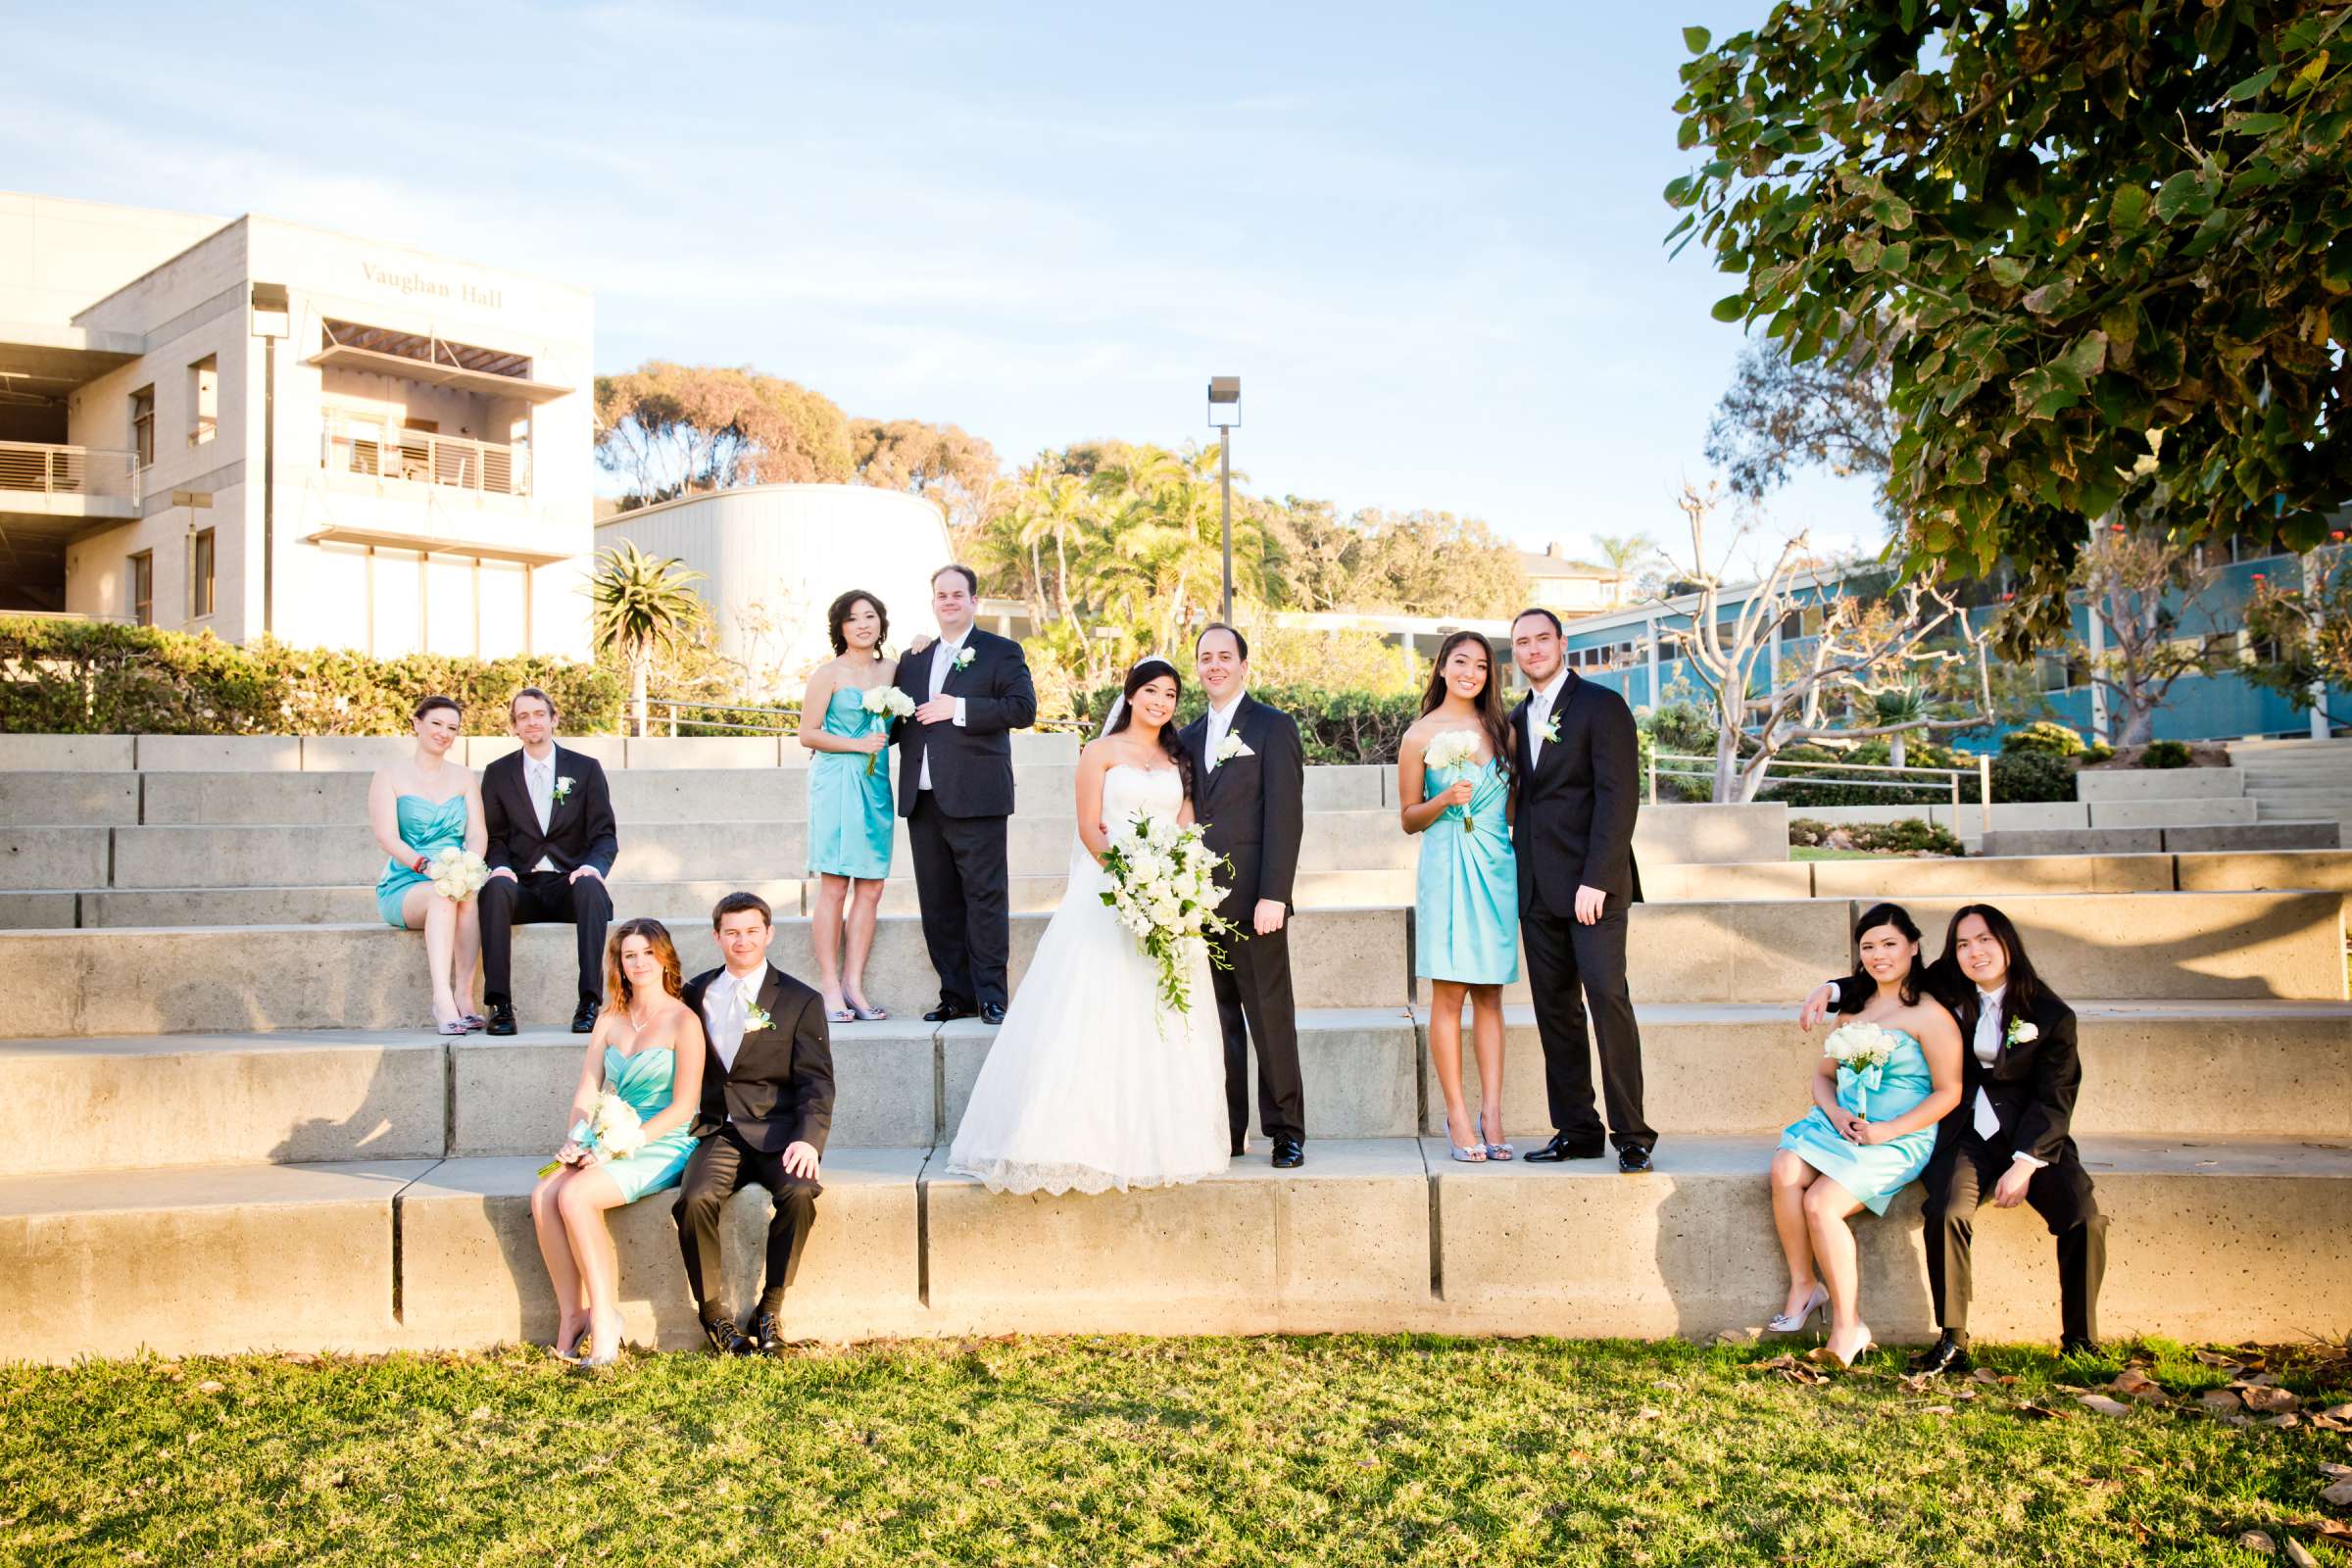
647 1048
1466 903
850 815
419 807
1870 1131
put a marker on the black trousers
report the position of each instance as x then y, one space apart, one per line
1571 967
962 888
720 1168
1960 1176
1254 1006
543 897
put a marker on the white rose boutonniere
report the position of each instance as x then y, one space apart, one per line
755 1018
563 789
1233 746
963 659
2022 1032
1551 727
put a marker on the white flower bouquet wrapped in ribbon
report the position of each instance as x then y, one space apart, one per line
1451 752
1163 890
887 703
616 1132
456 873
1861 1051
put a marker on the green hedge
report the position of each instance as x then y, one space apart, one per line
79 677
1335 726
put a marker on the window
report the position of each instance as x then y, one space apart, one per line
201 594
142 587
204 399
142 426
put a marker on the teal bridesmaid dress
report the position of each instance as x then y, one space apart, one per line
645 1079
1466 901
427 827
850 815
1871 1172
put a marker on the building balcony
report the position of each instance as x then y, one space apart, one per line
394 454
49 495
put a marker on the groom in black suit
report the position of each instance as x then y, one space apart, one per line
971 690
2010 1138
1574 756
1251 804
552 845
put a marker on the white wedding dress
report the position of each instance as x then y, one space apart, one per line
1094 1082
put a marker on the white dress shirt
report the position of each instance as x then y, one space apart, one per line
539 779
943 665
1220 723
726 1010
1538 710
1988 1047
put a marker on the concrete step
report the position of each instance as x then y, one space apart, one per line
270 978
2148 1069
1991 876
293 754
2099 785
2172 813
2276 834
2207 1240
2258 871
2195 838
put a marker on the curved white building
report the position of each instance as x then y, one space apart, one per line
773 557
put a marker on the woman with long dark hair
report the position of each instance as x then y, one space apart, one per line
1098 1078
850 815
420 807
647 1048
1453 780
1883 1083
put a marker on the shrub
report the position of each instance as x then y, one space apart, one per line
1911 835
1807 832
2043 739
2101 751
2029 775
2165 754
72 677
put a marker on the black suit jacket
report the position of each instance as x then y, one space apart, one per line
2032 1085
1251 809
1575 808
971 763
580 830
780 1089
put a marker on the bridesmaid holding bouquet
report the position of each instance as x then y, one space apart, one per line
845 722
1453 780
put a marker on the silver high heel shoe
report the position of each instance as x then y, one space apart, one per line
1791 1322
1494 1150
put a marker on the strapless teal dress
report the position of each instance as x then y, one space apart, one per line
850 815
1871 1172
646 1080
427 827
1466 900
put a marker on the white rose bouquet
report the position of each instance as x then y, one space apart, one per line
614 1132
1450 753
889 703
1163 890
456 873
1861 1051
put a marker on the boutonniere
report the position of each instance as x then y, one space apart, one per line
2022 1032
1552 726
963 659
756 1016
1233 746
562 790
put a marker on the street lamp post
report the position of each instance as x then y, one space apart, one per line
1224 414
271 321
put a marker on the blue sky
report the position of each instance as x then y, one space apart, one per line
1425 238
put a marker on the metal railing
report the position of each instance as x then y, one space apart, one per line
382 450
1704 768
61 470
783 720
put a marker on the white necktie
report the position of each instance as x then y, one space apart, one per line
543 793
1539 713
1988 1047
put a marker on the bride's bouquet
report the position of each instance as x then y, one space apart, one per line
616 1131
1454 750
890 703
458 873
1163 890
1861 1051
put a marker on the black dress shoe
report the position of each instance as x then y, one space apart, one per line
724 1337
2078 1347
583 1018
1240 1147
992 1014
1948 1355
1633 1161
1288 1154
501 1019
947 1013
767 1334
1562 1147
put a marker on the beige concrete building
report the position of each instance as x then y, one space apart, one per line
255 427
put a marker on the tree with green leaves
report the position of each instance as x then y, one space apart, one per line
669 430
2149 594
644 605
952 469
1779 416
2303 632
2103 246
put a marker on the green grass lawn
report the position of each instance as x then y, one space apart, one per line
1116 1452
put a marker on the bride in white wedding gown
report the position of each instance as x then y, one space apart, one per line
1093 1083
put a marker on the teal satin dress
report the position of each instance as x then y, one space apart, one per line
427 827
1871 1172
645 1079
850 815
1466 900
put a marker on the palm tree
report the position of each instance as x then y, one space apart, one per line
1624 552
643 606
1901 705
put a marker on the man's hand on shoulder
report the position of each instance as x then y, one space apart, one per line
1817 1006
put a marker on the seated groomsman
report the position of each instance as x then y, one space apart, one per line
552 845
2008 1140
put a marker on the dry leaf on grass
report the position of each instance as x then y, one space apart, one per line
2214 1359
2298 1554
1987 1375
2338 1496
2134 1384
2036 1412
2338 1472
209 1385
2103 1404
2256 1541
2269 1399
2219 1399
